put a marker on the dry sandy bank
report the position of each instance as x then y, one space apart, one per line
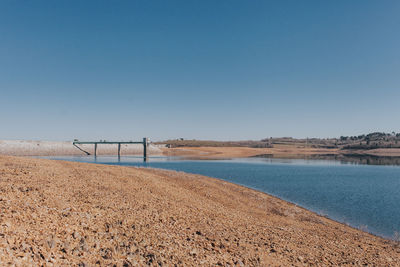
279 151
53 148
243 152
65 213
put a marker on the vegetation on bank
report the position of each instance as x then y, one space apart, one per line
364 141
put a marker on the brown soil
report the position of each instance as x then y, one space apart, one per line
278 151
64 213
243 152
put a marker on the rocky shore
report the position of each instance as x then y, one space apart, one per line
55 213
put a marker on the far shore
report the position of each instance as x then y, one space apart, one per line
278 151
66 148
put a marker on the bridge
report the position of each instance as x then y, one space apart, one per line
145 143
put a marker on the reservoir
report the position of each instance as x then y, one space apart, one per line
363 196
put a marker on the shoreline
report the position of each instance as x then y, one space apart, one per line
278 151
290 203
206 211
322 214
354 225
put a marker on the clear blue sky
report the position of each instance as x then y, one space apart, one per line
223 70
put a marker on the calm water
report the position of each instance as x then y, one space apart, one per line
366 196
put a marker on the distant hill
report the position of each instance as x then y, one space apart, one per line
365 141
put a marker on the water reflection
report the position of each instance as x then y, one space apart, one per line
344 159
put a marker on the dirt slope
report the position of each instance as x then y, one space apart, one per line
64 213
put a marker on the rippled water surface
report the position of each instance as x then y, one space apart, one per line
366 196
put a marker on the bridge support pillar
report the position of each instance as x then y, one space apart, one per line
145 144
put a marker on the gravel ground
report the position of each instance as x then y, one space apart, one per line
56 213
